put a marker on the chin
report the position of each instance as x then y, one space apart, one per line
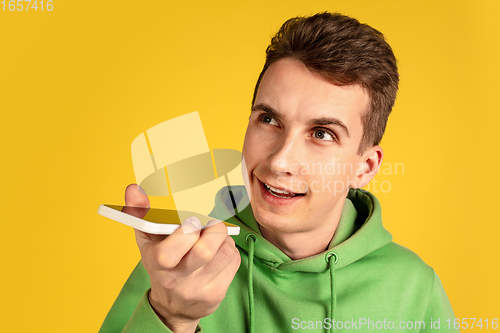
274 220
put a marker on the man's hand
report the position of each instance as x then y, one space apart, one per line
190 270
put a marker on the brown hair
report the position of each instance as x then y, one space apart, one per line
344 52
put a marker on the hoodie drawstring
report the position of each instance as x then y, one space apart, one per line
251 239
333 299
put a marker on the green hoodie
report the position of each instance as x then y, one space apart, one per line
363 282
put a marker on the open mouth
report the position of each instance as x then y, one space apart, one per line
281 193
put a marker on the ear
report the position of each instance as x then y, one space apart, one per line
368 166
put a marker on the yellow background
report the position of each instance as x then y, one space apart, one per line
78 84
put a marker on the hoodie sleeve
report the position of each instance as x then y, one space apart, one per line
144 319
131 311
439 315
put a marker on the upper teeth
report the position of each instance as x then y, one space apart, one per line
274 189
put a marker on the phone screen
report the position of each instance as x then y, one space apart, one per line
155 215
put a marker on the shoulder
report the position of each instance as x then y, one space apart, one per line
402 264
395 254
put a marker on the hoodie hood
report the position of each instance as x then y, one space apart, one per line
359 233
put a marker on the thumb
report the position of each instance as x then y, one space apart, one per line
136 197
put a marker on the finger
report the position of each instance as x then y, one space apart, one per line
167 253
223 258
220 283
227 275
206 247
135 196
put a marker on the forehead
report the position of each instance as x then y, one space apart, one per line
300 95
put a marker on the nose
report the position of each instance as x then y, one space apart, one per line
285 159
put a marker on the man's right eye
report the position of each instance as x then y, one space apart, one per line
268 119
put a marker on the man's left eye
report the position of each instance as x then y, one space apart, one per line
323 135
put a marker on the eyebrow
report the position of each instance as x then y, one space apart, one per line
318 121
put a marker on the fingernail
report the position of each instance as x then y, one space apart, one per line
213 222
191 224
141 190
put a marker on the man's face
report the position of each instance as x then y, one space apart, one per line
302 137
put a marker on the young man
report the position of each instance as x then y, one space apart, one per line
312 253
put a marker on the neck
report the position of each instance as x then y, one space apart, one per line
303 244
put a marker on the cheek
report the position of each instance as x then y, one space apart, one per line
250 148
335 170
255 141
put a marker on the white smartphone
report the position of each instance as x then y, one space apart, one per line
154 220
